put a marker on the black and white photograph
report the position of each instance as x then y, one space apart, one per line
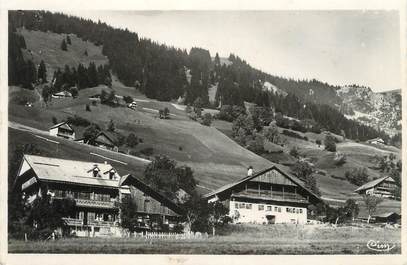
204 132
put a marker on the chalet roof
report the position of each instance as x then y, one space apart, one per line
248 178
376 139
386 215
70 171
64 94
63 125
132 180
373 183
110 137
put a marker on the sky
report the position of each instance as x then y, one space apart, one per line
337 47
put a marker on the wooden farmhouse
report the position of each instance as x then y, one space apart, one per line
104 140
97 189
266 197
63 130
381 187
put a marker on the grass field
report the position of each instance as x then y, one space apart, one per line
235 239
47 46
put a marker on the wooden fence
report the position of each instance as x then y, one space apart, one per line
158 235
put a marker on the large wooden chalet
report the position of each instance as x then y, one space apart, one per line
266 197
381 187
97 189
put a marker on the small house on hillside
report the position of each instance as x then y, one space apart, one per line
375 141
62 94
105 140
266 197
381 187
62 129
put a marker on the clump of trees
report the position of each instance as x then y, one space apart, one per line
371 203
304 171
358 176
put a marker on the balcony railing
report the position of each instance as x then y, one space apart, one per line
274 195
103 223
93 203
72 221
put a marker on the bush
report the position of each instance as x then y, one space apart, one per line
148 151
318 142
207 119
87 108
132 140
78 121
330 143
128 99
357 176
294 152
54 120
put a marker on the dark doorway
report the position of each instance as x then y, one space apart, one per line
271 219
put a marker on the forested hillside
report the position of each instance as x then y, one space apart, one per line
167 73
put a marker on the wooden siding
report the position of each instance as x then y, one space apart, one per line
147 204
274 177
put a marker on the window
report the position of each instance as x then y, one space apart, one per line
248 206
236 205
269 208
279 209
261 207
275 208
300 210
242 205
288 210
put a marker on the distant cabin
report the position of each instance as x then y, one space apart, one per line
267 197
62 94
375 141
381 187
389 217
63 130
105 140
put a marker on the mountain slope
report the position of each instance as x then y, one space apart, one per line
379 110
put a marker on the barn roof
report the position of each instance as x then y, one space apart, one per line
130 180
71 171
386 215
373 183
63 125
109 136
248 178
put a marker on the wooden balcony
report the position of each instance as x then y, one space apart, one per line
103 223
272 196
94 203
72 221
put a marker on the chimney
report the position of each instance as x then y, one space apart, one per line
249 171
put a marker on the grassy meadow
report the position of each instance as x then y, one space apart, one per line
233 239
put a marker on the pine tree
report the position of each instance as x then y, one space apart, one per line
63 45
68 40
42 72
